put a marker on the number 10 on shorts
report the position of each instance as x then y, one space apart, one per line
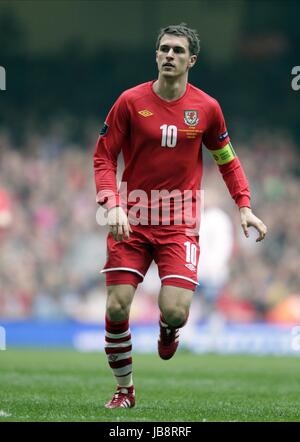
191 253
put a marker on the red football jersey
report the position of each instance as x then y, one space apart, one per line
161 142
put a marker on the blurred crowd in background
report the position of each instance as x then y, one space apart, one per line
52 248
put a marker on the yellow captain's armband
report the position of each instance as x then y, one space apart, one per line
223 155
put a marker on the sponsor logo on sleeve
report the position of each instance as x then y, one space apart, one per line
104 129
223 136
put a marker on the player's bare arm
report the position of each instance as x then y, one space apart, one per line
118 223
248 219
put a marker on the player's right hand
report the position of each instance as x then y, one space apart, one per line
118 223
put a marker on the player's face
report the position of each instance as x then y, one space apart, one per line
173 57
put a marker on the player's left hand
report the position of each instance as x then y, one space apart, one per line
248 219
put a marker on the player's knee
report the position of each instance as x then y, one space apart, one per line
118 305
175 317
117 311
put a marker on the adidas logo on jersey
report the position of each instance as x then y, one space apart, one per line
145 113
191 267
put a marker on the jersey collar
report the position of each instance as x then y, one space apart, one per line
165 102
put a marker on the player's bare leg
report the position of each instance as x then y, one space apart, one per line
174 304
118 343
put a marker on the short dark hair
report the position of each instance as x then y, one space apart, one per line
182 30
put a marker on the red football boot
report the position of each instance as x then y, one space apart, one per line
124 397
168 340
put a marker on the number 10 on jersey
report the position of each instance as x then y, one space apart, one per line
169 135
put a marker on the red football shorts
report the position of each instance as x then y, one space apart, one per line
175 254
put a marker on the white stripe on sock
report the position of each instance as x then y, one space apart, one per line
117 336
123 370
116 345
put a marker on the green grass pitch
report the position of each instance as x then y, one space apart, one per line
66 385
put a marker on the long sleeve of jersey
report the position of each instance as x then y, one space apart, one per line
217 141
236 182
112 137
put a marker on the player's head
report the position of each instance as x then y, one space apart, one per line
177 47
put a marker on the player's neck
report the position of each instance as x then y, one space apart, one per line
170 89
